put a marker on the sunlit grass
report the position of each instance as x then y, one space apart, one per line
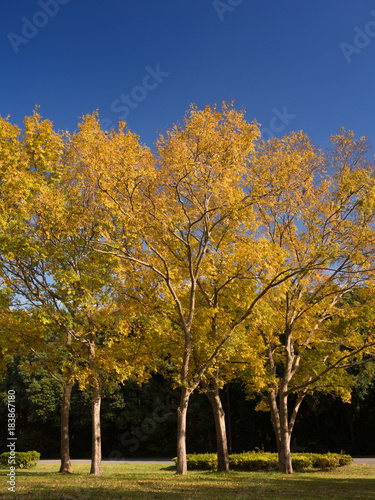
128 481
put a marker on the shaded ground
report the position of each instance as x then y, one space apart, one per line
159 482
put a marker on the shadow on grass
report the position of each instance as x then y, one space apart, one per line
169 468
192 488
33 472
161 483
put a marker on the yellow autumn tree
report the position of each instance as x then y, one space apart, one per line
66 310
190 216
320 219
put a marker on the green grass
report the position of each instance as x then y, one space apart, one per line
125 481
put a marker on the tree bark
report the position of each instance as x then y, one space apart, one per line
66 466
96 455
285 458
275 417
221 434
181 431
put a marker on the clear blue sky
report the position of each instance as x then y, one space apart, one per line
310 62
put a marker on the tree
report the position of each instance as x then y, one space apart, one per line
323 223
28 164
187 217
65 287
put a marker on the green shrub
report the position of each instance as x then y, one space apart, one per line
345 459
201 461
254 461
301 461
22 460
326 461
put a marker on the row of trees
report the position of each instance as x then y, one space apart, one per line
139 420
216 256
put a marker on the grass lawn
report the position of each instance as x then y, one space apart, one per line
124 481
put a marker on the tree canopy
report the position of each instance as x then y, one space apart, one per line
224 254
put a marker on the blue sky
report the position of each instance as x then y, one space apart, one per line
291 64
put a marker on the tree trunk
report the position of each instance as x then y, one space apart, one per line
285 458
181 431
66 466
96 455
221 434
275 417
